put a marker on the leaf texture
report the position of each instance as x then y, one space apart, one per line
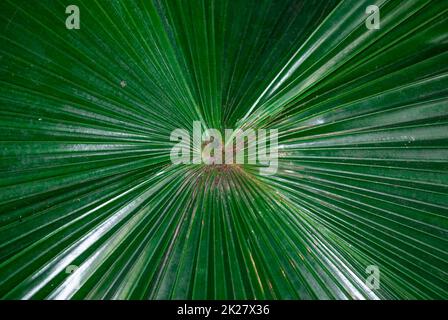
86 176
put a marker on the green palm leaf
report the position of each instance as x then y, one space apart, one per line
88 184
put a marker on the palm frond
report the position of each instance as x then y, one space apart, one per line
87 181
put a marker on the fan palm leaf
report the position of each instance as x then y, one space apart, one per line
87 183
